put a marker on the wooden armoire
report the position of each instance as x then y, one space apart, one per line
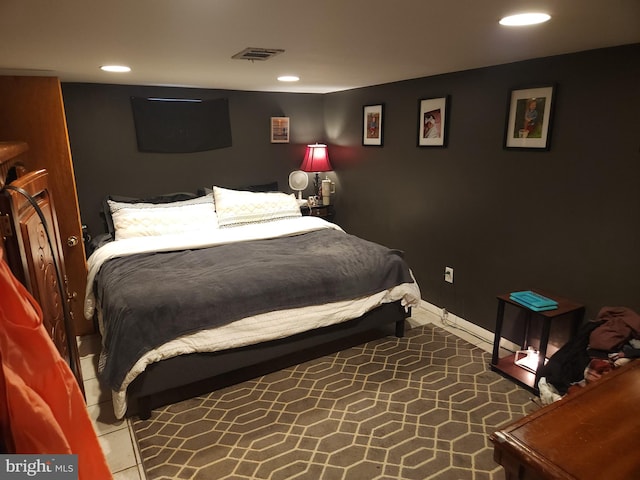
30 243
32 111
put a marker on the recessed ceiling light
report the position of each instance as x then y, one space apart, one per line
525 19
115 68
288 78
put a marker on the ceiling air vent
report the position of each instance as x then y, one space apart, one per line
260 54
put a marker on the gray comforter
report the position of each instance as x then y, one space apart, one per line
150 298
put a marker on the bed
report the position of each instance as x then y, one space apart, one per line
193 292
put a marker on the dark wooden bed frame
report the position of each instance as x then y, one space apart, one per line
187 376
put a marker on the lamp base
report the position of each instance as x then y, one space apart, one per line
317 185
528 359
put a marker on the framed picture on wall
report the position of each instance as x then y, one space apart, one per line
372 126
529 115
432 122
279 129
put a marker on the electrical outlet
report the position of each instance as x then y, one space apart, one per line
448 274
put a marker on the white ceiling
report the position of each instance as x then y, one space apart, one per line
331 44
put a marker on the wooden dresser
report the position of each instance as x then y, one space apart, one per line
590 434
30 244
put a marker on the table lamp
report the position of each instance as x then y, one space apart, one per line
316 159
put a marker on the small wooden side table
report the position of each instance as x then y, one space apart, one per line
323 211
567 309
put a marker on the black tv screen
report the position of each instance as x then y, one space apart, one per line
175 125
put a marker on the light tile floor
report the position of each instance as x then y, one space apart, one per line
116 436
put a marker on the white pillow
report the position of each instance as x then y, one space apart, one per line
239 207
131 220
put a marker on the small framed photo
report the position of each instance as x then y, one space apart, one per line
529 115
432 122
372 132
279 129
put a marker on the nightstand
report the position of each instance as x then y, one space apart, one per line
323 211
568 314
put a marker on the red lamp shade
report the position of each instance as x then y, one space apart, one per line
316 159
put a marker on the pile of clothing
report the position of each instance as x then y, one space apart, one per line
607 342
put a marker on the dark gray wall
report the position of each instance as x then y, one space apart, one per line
106 159
565 220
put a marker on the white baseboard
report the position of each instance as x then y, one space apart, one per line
455 322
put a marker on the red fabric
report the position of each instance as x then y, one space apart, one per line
621 324
43 408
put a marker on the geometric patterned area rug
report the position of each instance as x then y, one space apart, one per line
418 407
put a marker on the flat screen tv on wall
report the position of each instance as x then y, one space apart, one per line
179 125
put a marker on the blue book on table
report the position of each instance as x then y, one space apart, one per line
534 301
